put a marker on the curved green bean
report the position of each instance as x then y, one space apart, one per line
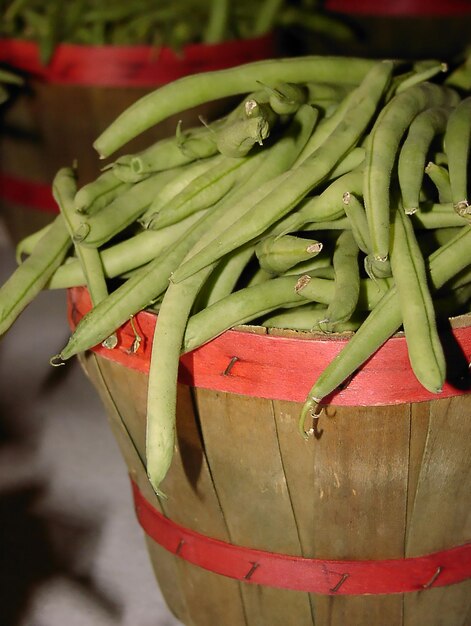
417 312
196 89
382 149
457 144
413 153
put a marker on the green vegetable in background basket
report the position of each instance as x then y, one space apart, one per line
162 23
317 224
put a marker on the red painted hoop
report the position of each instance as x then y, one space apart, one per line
277 367
400 8
323 576
131 66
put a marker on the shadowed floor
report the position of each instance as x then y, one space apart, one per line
71 551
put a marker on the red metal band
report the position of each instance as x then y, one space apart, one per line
27 193
400 8
282 368
324 576
132 66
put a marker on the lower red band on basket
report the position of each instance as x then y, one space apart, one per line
27 193
322 576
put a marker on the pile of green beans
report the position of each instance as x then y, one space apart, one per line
333 198
165 23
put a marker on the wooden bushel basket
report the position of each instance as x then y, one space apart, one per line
366 523
55 119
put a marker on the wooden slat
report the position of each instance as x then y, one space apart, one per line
349 488
101 373
440 512
244 457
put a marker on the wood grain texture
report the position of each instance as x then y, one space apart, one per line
372 483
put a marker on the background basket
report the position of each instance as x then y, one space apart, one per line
54 120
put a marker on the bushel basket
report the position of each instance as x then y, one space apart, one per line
366 522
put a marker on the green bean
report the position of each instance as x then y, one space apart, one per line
64 188
238 138
294 187
326 127
172 152
126 255
196 89
133 295
286 98
244 305
27 244
384 320
418 316
346 282
99 193
32 275
382 148
326 206
370 291
433 216
174 184
120 213
457 144
356 215
413 153
216 26
180 298
278 254
307 317
224 277
441 179
423 71
202 192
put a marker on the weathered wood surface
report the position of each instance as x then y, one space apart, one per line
373 483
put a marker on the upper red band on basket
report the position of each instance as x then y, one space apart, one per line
332 577
281 368
400 8
131 66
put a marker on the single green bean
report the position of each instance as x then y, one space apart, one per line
202 192
413 153
196 89
441 179
100 192
355 212
64 188
457 144
346 282
174 183
278 254
417 312
245 305
32 275
27 244
179 299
